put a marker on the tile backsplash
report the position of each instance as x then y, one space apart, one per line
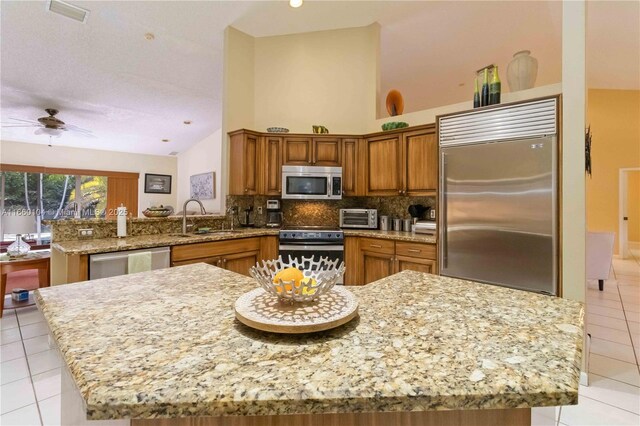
309 213
326 213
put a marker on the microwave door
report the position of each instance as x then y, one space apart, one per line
305 187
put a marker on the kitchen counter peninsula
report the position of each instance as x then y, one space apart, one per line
163 347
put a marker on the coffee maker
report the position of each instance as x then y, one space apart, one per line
274 214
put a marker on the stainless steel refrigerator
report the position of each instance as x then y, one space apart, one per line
498 220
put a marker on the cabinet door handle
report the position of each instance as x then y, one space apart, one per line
400 191
218 262
414 250
246 190
375 246
224 261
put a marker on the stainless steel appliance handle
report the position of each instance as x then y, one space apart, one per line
443 201
311 247
329 180
108 258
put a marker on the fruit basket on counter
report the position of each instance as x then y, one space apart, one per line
298 281
297 296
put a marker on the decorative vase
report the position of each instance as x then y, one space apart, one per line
522 71
18 248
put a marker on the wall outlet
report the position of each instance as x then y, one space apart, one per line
85 233
259 210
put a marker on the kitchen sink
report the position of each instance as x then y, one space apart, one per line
214 232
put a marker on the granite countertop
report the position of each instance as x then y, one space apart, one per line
391 235
105 245
166 343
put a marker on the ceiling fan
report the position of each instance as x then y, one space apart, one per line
50 125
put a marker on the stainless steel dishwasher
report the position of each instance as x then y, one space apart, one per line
117 263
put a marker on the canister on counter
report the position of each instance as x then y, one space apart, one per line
406 225
397 224
384 223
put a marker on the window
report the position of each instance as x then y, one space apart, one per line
51 196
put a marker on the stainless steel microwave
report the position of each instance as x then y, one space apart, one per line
359 218
311 183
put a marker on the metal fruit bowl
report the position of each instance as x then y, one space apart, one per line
324 272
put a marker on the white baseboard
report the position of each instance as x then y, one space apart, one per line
584 378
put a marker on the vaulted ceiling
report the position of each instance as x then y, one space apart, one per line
105 76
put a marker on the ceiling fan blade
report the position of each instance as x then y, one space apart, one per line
76 128
24 121
18 125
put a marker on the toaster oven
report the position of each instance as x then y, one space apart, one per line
359 218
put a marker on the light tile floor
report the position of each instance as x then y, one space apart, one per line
30 369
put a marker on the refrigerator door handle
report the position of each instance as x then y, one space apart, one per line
443 202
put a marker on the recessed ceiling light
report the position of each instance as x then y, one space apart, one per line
173 153
70 11
295 3
149 36
187 122
165 140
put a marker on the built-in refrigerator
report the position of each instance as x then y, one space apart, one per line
498 192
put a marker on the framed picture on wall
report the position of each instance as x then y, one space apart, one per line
157 184
203 186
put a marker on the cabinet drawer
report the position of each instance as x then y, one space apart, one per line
377 246
214 248
424 251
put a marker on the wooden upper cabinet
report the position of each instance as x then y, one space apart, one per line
243 164
319 151
352 178
298 151
420 160
272 165
326 152
383 165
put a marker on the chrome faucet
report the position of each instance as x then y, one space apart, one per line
184 212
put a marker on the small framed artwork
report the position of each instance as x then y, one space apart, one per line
157 184
203 186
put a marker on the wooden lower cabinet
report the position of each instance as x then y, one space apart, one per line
371 259
240 262
414 264
234 255
376 266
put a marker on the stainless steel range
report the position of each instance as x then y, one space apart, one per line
312 241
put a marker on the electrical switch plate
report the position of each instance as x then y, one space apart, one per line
259 210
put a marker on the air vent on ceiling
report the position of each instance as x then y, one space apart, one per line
70 11
173 153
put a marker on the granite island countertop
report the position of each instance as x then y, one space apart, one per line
422 342
106 245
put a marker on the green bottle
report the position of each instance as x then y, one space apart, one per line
476 94
494 88
484 97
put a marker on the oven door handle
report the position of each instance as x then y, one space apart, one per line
306 247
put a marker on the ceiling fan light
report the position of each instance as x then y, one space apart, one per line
49 131
295 3
66 9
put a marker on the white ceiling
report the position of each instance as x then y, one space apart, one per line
104 76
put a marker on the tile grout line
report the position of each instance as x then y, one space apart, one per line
626 320
33 387
605 403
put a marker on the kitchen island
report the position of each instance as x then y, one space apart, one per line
163 347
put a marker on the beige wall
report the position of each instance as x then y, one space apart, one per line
328 78
614 116
429 115
203 157
93 159
633 208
